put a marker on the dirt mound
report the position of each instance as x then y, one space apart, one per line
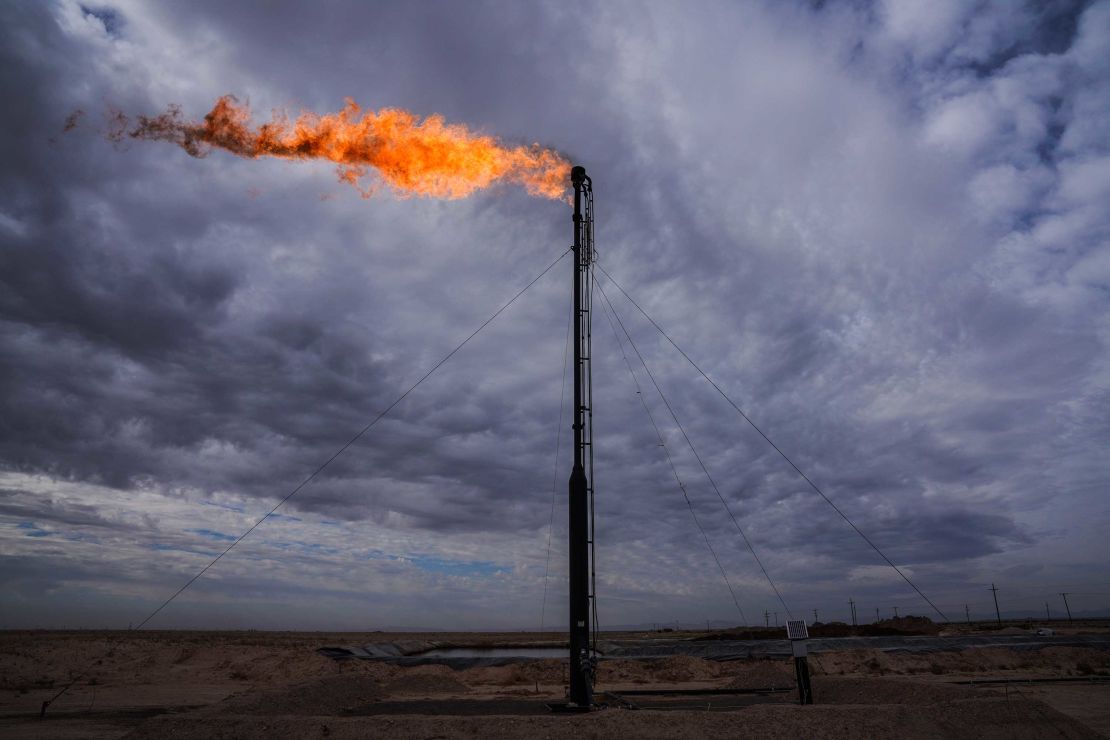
1051 661
682 668
39 660
425 680
326 696
873 691
1076 661
545 672
623 671
865 661
762 674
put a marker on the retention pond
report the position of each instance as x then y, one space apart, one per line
497 652
418 652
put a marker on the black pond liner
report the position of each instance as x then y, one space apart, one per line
472 656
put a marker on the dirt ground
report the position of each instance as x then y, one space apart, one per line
258 684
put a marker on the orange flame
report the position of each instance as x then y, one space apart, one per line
426 157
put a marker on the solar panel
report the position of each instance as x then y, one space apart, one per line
796 629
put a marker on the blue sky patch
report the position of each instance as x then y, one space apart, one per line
111 19
30 529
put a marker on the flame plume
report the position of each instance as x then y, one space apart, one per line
415 157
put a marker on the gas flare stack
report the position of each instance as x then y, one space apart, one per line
583 604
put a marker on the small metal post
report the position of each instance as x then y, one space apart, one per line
797 633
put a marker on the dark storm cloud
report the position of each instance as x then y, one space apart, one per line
879 228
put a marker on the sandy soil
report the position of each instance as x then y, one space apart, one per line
192 684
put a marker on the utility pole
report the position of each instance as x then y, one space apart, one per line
967 613
877 615
815 616
1066 607
852 608
767 619
776 619
895 612
1047 613
997 613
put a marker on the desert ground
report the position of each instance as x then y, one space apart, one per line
275 685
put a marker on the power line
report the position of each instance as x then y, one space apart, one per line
670 461
690 443
776 447
1037 590
1029 587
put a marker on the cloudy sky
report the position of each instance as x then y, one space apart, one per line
881 227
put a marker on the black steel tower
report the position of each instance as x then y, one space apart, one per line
581 508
